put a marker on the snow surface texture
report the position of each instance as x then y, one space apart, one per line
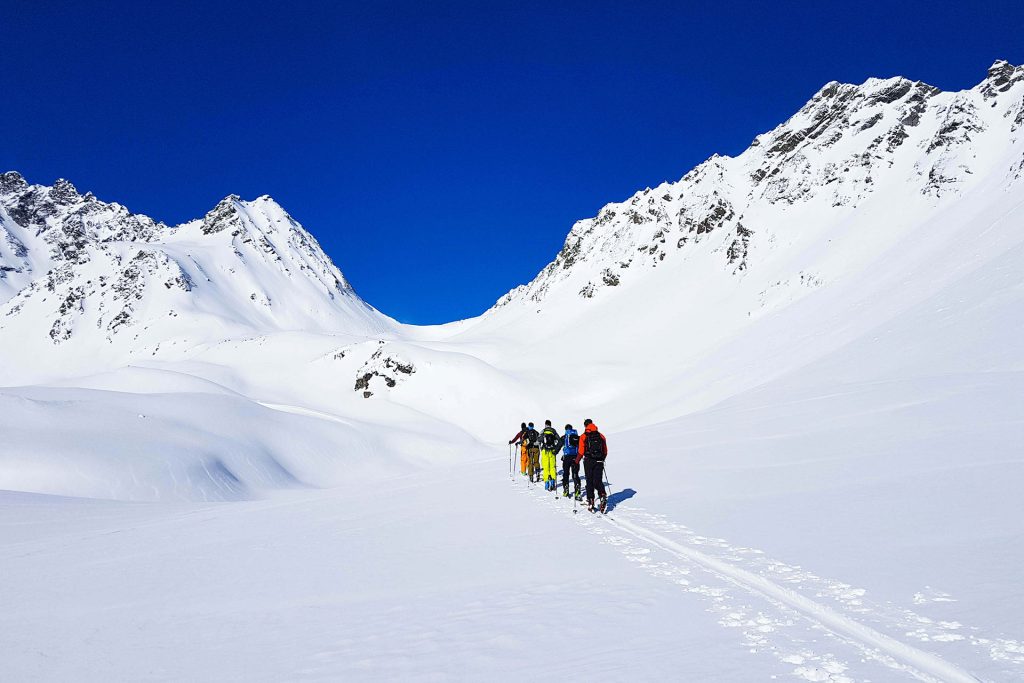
219 463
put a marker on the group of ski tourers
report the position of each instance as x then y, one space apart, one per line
540 452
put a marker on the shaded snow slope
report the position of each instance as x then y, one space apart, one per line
194 444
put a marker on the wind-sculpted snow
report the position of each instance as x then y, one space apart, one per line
189 439
181 446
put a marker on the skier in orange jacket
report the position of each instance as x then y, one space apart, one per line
593 451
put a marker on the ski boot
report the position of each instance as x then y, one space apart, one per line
604 505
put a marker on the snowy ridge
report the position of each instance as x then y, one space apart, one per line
834 154
77 273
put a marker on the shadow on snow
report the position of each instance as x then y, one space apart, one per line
616 498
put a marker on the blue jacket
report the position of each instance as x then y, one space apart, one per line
566 448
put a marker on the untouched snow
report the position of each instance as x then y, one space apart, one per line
219 463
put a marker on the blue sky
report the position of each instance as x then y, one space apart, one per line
440 151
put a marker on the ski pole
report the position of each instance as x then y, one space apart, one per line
575 497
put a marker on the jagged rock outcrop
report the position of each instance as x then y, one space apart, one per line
385 367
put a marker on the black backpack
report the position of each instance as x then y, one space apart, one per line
532 437
550 439
573 441
595 448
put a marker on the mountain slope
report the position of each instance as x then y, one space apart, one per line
866 203
848 146
83 279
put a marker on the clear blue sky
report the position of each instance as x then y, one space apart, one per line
440 151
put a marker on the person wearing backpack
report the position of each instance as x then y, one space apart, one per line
524 457
533 451
550 442
593 451
570 449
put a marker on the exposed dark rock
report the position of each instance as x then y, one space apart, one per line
609 278
719 214
72 301
570 252
959 122
182 281
917 103
387 367
1001 77
64 193
121 319
737 251
896 137
11 181
891 93
637 218
828 108
872 121
222 216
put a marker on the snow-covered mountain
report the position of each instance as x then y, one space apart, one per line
849 146
870 201
81 277
864 204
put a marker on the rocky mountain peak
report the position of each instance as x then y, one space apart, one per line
1001 77
223 216
64 192
11 181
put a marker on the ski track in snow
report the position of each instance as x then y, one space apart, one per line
713 570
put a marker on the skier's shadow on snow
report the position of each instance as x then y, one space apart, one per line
616 498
